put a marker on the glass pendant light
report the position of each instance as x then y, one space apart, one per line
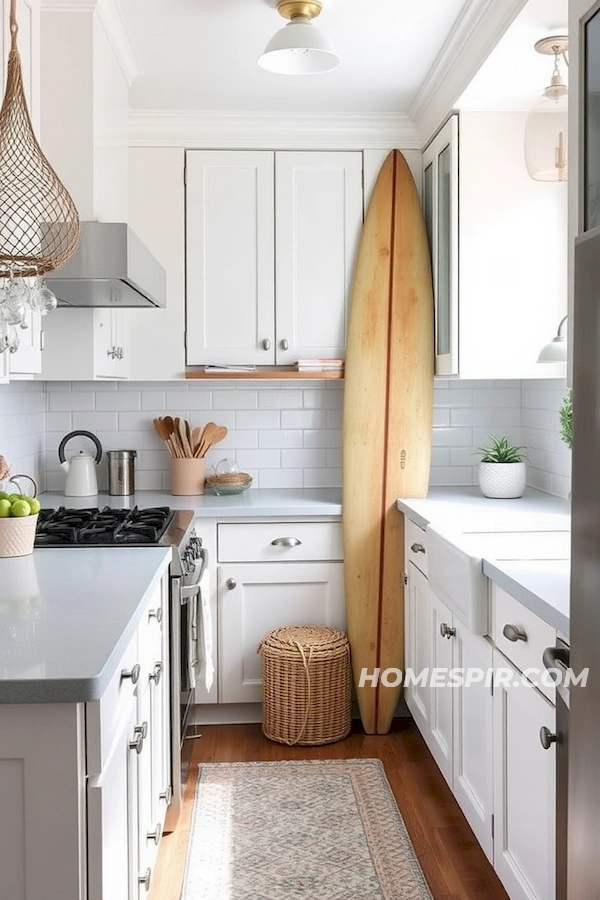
546 125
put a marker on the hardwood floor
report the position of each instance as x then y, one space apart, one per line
453 862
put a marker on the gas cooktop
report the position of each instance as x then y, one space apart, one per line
102 527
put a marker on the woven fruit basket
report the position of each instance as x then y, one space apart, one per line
17 533
306 685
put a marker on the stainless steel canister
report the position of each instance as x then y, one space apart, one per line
121 472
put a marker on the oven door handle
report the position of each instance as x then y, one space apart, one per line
189 591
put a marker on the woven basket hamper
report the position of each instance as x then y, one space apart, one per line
306 685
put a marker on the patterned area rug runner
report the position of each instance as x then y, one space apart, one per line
316 830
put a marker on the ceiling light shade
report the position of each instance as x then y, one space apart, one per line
546 125
556 350
299 48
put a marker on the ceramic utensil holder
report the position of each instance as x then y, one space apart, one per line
187 477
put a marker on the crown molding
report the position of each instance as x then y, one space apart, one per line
192 128
113 22
475 33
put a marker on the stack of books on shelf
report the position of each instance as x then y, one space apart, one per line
320 365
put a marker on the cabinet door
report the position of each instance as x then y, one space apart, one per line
230 257
318 217
28 358
524 788
111 351
440 201
254 599
472 743
113 819
417 644
439 737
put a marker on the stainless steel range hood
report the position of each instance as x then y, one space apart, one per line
111 267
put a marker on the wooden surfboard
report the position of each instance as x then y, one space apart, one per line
387 422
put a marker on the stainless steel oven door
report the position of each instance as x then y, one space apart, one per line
184 617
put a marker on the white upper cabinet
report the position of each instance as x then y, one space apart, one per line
230 257
440 204
28 359
271 239
318 214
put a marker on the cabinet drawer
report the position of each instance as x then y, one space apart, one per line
510 615
103 716
415 540
280 542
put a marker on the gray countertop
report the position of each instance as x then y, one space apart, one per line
542 585
66 616
252 503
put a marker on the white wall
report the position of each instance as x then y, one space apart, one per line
513 249
22 428
549 466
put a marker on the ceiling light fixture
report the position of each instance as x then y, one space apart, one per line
299 48
546 125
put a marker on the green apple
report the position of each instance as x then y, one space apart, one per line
4 495
4 508
34 505
20 508
13 497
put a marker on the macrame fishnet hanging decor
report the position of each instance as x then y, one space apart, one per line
39 224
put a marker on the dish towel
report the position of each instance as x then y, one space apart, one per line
203 634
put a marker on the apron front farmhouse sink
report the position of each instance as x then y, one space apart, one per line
456 565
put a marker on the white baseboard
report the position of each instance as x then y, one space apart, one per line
247 713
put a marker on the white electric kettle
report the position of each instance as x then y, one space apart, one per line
81 468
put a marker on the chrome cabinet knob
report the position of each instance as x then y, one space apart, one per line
231 584
285 344
142 729
137 743
155 835
156 614
514 634
155 676
286 542
133 673
266 344
166 795
417 548
145 879
446 631
547 738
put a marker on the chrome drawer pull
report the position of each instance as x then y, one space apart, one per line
156 614
145 879
417 548
137 743
231 584
155 676
133 673
547 738
167 795
514 634
446 631
142 729
286 542
155 835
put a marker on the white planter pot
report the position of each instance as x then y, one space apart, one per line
502 480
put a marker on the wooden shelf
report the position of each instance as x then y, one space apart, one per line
266 374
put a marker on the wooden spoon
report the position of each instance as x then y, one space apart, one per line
183 439
212 435
163 433
204 441
197 432
173 436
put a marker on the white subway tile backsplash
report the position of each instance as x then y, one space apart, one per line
285 433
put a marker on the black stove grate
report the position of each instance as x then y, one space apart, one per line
101 527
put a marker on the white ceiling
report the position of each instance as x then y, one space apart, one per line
514 75
201 55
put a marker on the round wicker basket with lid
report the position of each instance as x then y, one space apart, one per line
306 685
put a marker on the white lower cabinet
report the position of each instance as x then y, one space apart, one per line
524 788
255 597
485 735
104 765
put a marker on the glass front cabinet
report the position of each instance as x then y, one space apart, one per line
440 204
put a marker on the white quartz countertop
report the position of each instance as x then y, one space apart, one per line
542 585
66 616
252 503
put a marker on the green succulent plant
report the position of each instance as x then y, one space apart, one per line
565 417
500 450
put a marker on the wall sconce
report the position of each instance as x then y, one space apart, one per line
546 125
556 350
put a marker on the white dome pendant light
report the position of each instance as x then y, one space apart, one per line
299 48
546 125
